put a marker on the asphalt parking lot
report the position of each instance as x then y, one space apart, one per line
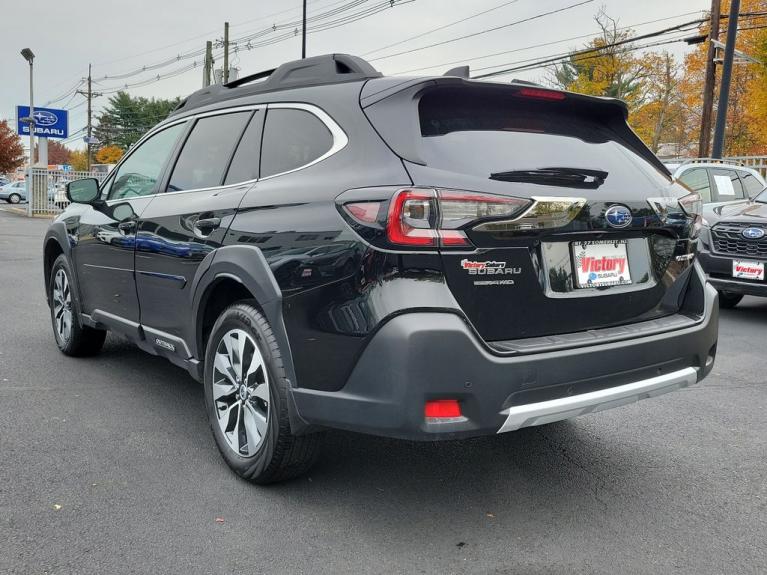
107 465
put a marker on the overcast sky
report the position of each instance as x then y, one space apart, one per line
119 37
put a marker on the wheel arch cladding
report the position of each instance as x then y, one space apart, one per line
54 245
235 273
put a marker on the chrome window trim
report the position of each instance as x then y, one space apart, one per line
340 140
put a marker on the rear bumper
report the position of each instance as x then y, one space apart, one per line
718 270
417 357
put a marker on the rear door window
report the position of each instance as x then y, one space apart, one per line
727 185
751 183
292 139
244 165
207 151
697 180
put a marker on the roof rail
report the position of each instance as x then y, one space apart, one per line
317 70
712 161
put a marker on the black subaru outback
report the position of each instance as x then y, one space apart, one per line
423 258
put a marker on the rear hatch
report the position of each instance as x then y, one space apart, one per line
602 239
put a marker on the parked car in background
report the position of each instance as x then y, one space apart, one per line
733 249
421 258
14 193
718 181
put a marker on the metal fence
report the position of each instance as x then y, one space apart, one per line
758 163
48 189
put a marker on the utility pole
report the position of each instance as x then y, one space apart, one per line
89 94
303 35
208 68
710 82
724 91
225 74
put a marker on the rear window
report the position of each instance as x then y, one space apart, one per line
751 183
697 180
478 133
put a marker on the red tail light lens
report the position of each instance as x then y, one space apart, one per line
428 218
412 216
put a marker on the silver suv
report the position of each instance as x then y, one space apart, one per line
718 181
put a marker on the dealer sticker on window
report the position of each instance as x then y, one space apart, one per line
601 264
746 270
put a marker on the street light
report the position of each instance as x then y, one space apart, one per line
29 56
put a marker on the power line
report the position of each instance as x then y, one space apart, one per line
677 28
495 28
542 45
438 28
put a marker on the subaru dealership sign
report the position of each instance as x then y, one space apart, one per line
49 123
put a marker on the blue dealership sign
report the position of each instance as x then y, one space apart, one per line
49 123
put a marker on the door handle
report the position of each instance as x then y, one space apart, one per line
206 226
127 227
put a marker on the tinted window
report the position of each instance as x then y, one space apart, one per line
751 183
245 162
727 184
138 174
292 138
207 152
479 132
697 180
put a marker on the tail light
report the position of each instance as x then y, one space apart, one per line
427 218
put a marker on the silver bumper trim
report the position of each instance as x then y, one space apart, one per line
557 409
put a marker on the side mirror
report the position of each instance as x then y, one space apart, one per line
85 191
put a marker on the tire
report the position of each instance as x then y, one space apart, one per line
249 415
14 199
728 300
71 336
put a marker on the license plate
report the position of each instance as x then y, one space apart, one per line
747 270
601 264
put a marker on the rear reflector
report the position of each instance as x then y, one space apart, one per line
442 409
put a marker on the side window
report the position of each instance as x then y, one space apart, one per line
751 183
138 174
727 184
207 151
244 165
697 180
292 138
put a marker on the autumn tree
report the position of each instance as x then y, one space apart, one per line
79 160
109 155
745 132
11 149
57 153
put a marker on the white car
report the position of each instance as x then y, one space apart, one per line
14 193
718 181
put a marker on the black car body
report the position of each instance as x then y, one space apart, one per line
411 244
733 250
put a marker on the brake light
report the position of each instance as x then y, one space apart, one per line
412 217
540 94
429 217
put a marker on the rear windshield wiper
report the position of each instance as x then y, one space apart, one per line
568 177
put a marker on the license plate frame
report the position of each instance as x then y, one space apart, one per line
600 264
750 270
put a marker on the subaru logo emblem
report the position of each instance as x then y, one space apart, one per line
753 233
618 216
43 118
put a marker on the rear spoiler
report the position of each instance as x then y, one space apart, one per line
391 104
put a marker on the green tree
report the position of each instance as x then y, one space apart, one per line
79 160
125 118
